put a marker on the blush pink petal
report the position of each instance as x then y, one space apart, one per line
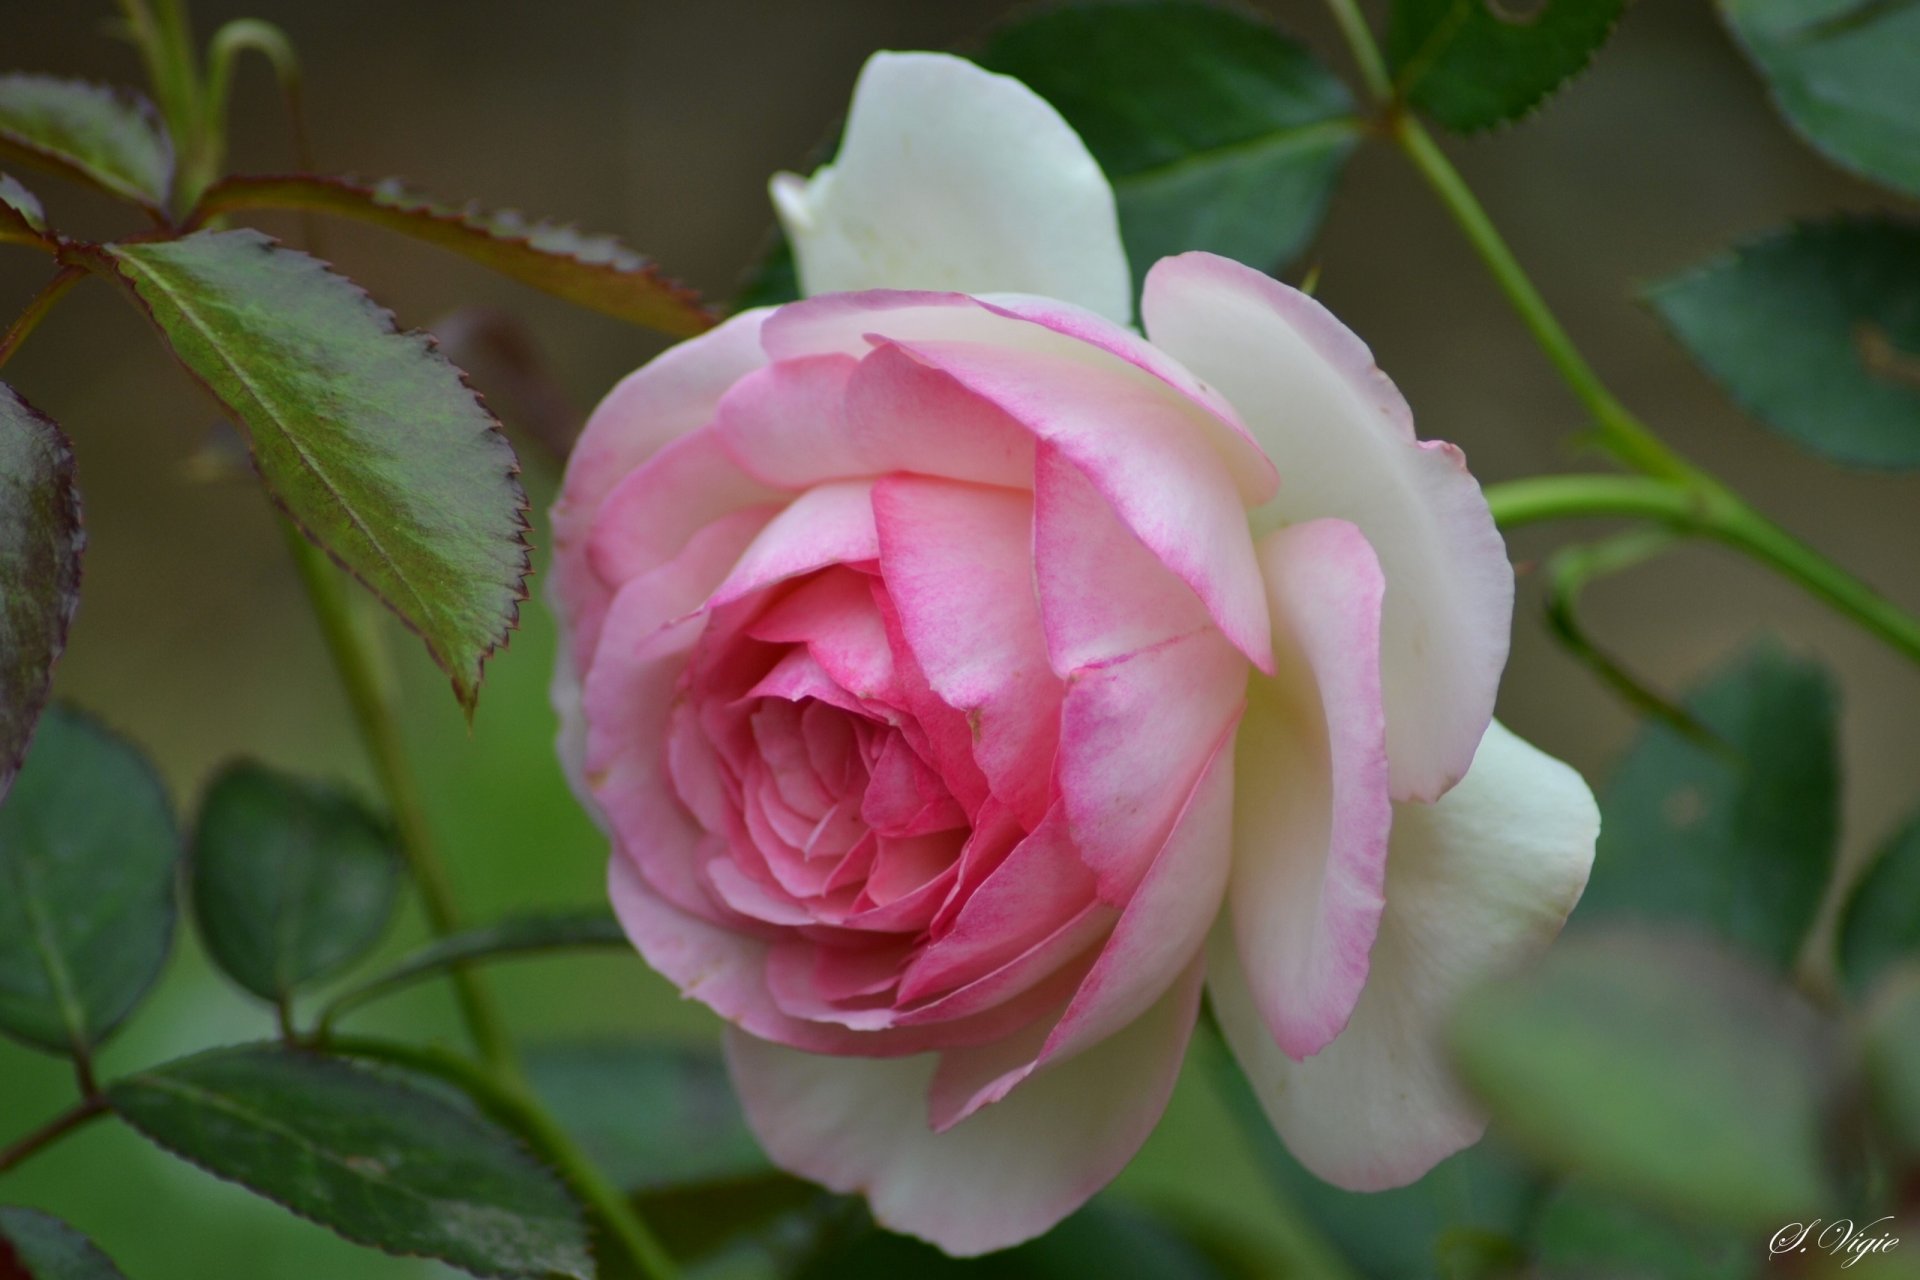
1005 1174
1343 438
1145 449
958 564
1310 828
1135 734
1103 594
851 323
829 525
1479 882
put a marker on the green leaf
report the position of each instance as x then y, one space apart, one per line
1880 923
38 1246
22 220
1217 131
110 139
517 935
1472 64
651 1115
1842 71
41 541
1815 331
292 881
1583 1234
379 1161
1892 1057
373 443
774 1215
1742 841
593 271
87 857
773 278
1659 1068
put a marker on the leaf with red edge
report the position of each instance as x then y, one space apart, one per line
22 220
594 271
368 437
103 136
40 545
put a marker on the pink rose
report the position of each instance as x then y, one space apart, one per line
965 681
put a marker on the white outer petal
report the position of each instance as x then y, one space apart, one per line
952 177
1482 879
1342 438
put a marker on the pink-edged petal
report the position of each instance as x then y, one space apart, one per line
958 564
1311 824
833 614
1103 594
853 323
951 177
1343 439
1134 735
829 525
650 515
811 419
1146 449
1479 881
1006 1173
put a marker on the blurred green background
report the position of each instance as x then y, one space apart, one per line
661 122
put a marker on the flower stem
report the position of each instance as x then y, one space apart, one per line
88 1108
1697 500
511 1104
36 310
377 719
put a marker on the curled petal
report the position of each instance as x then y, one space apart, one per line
1480 880
1342 437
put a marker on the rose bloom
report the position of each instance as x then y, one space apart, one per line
966 682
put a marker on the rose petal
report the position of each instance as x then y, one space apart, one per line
1343 438
1004 1175
1310 829
1479 881
951 177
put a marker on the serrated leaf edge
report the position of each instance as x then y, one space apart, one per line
131 99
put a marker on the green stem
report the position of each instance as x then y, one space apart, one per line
1366 54
1703 507
378 721
1717 510
512 1105
36 310
18 1152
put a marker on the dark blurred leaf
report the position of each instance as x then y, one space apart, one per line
651 1115
501 356
1106 1239
1880 923
1842 71
592 271
773 278
1583 1234
1815 332
1893 1060
517 935
1471 64
108 138
87 857
1741 844
40 545
38 1246
1474 1197
1659 1068
1218 132
373 443
292 881
776 1216
380 1162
